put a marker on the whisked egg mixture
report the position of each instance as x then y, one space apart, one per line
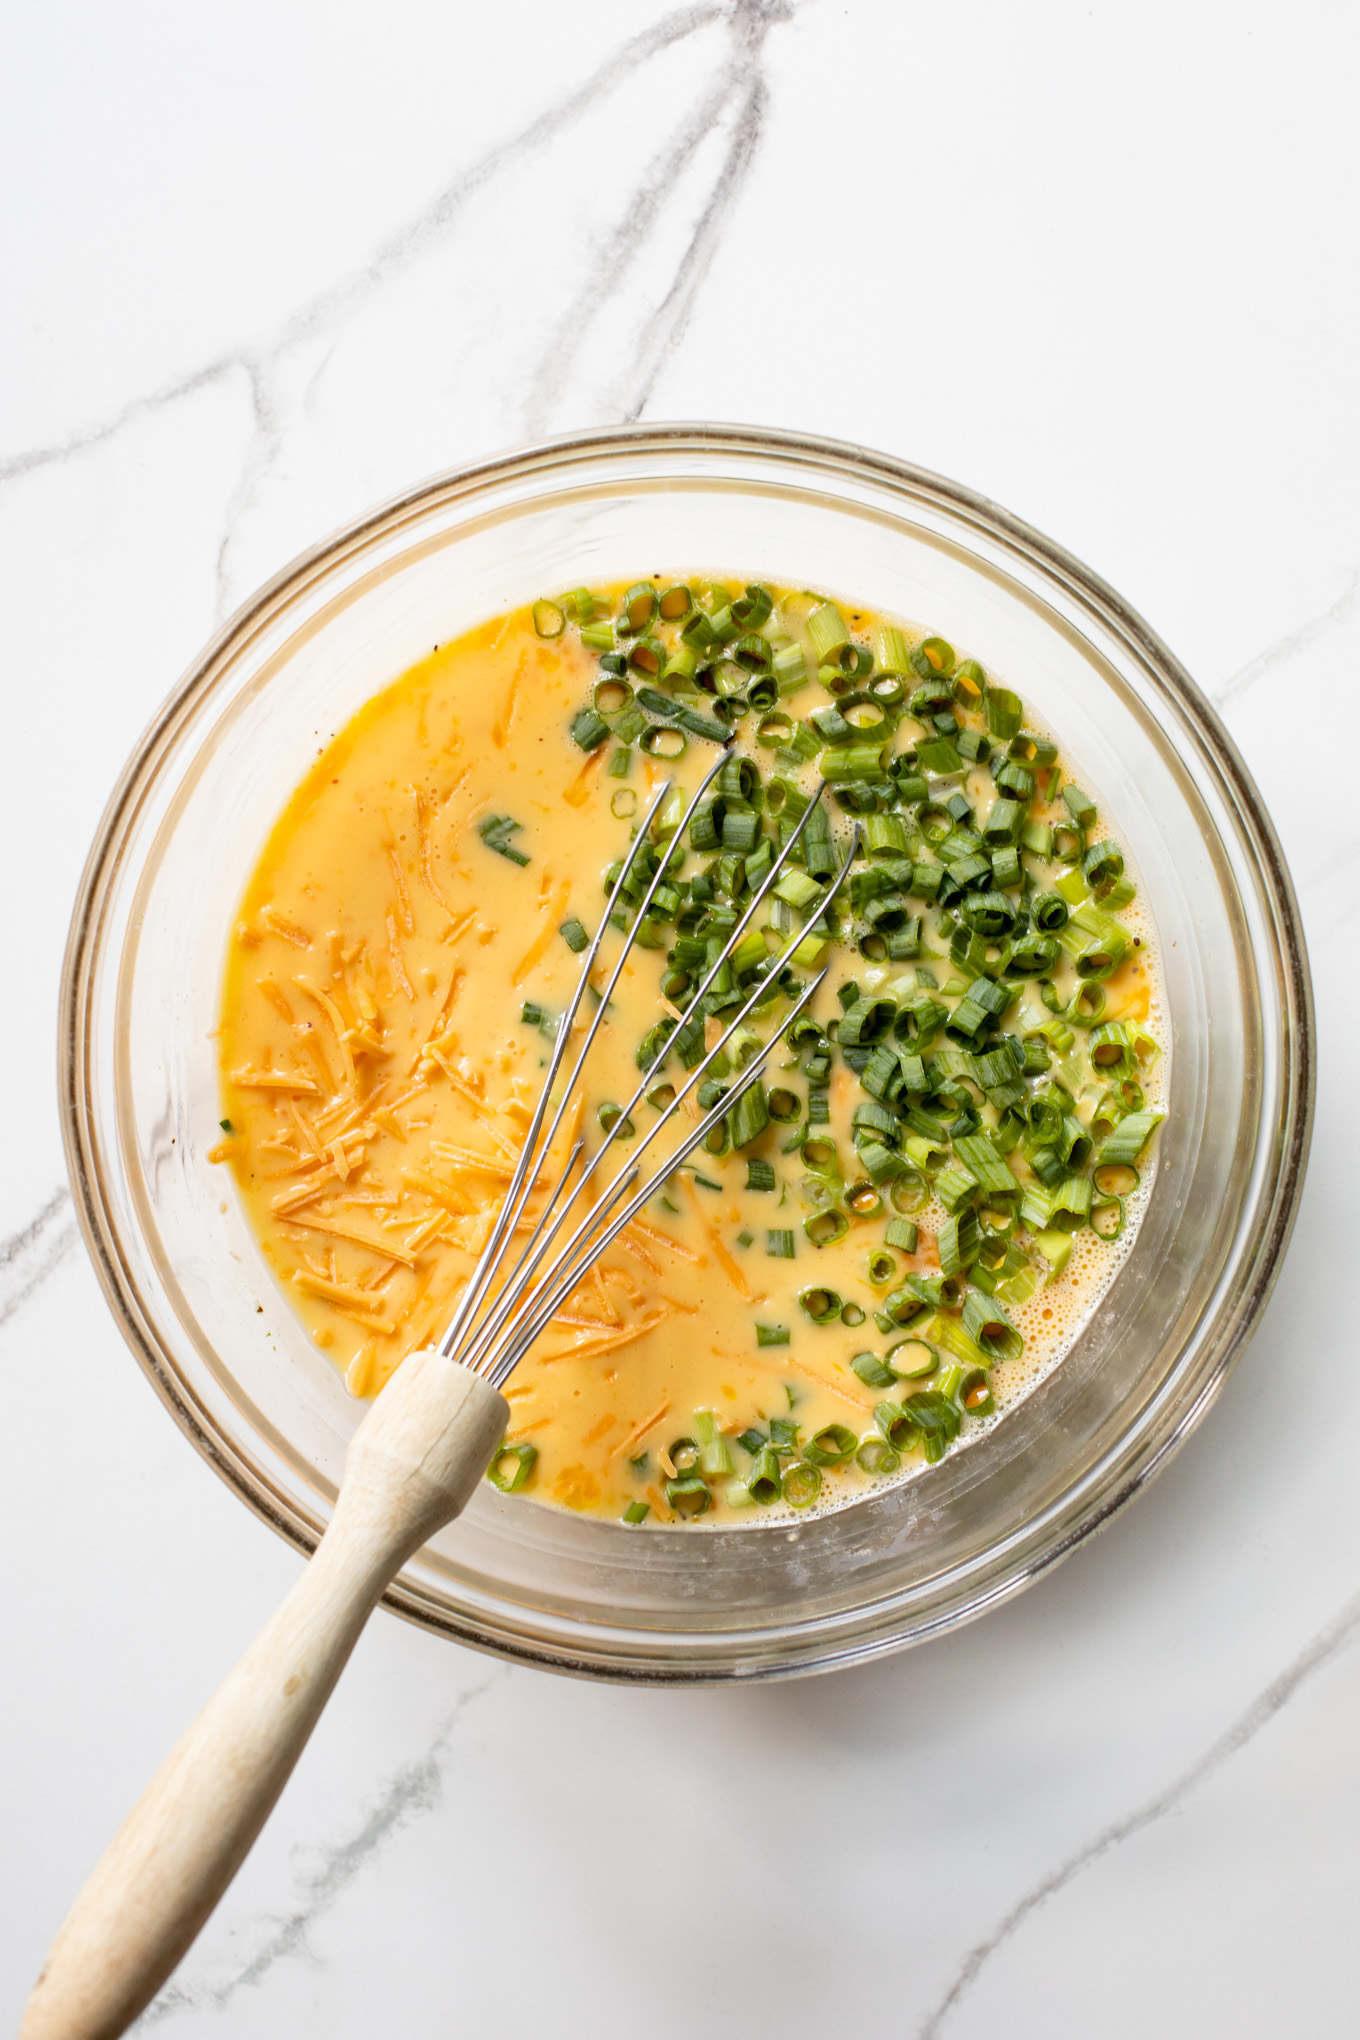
889 1238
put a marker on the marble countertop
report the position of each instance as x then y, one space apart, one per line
265 266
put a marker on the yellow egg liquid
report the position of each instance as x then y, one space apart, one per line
377 1081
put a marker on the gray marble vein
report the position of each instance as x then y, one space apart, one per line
1292 643
332 307
665 330
740 83
605 275
1314 1657
411 1792
36 1251
738 99
265 443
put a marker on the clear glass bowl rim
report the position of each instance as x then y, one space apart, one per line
1271 1222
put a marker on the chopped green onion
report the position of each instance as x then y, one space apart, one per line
872 1371
1079 805
763 1480
1056 1248
574 935
760 1176
876 1455
637 1512
496 831
830 1445
895 1427
970 684
911 1359
908 1193
789 669
663 740
689 1496
648 656
890 649
772 1335
714 1457
1003 712
827 632
549 619
938 655
802 1484
987 1324
821 1305
512 1467
1129 1138
779 1244
639 607
752 610
612 696
937 1417
1107 1219
973 1392
588 729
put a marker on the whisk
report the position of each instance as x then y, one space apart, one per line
411 1468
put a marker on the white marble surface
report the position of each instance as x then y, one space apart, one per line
266 264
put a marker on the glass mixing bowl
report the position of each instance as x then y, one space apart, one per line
143 970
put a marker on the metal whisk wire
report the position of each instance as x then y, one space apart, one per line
522 1181
545 1231
514 1289
526 1299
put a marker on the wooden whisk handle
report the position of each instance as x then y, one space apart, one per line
411 1467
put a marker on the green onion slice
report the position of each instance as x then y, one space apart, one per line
824 1228
830 1445
909 1191
639 606
1107 1220
763 1480
973 1392
512 1467
774 730
690 1496
912 1359
895 1426
876 1455
663 740
802 1484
